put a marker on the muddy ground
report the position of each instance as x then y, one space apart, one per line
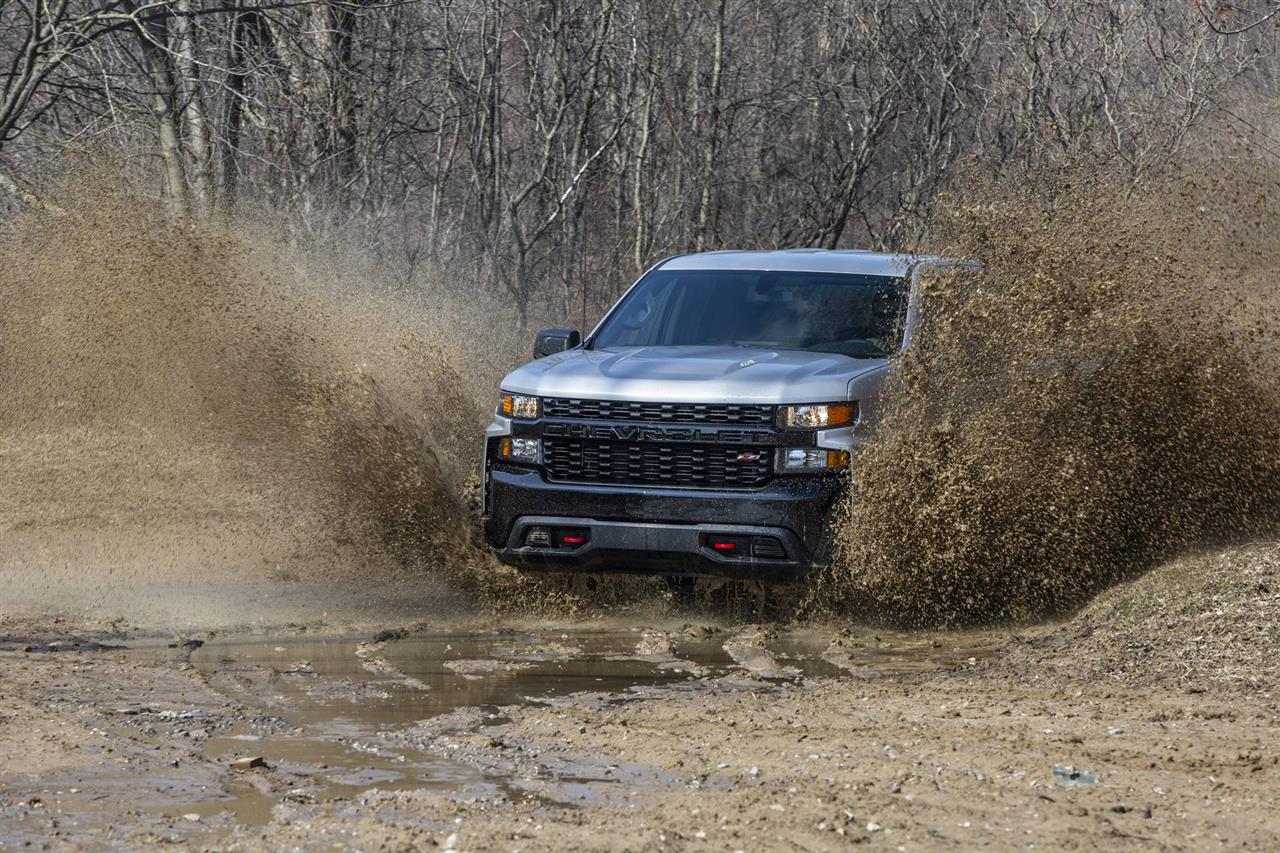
1148 720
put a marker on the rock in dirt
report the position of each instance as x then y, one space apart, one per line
248 763
1069 777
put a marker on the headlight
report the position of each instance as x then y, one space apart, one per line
519 406
796 459
527 450
818 415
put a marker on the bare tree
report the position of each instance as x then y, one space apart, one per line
550 150
1232 19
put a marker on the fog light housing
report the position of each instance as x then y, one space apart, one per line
526 450
519 406
798 459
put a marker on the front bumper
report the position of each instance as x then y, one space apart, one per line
661 531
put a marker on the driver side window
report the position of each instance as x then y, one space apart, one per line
641 318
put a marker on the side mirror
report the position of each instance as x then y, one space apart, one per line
551 341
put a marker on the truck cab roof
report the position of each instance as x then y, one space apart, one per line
851 261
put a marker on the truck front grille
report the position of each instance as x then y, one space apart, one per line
679 465
680 413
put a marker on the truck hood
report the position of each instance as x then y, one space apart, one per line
696 374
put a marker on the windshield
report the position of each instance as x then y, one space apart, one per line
859 316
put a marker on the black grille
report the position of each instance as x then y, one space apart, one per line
682 413
689 465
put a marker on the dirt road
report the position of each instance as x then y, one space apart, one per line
1143 722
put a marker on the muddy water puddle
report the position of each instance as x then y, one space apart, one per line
342 702
334 718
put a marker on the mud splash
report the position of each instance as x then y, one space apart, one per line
1098 397
184 401
187 400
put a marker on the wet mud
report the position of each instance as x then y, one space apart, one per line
320 725
610 736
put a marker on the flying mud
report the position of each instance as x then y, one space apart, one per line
1099 394
183 401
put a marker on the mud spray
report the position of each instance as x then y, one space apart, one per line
1100 395
186 400
196 400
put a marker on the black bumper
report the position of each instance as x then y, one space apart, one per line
778 531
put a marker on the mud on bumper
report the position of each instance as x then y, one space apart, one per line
775 532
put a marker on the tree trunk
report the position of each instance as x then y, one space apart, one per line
237 35
639 207
154 34
713 131
197 131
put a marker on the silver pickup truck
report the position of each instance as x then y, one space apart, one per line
705 425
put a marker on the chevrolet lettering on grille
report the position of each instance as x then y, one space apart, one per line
682 435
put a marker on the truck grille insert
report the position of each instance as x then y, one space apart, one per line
679 413
687 465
